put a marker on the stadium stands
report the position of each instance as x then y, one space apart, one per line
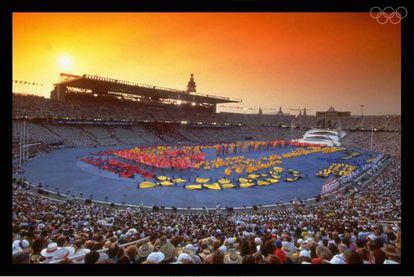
362 226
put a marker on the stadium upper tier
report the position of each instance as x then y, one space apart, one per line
88 107
107 86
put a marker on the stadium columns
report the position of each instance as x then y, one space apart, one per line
20 143
24 140
27 142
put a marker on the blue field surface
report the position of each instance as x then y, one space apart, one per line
61 169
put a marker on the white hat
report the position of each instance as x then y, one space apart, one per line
372 237
103 257
119 232
183 256
190 247
16 246
309 240
305 253
300 241
79 257
155 257
258 241
230 240
41 226
390 262
337 260
63 253
24 244
132 231
223 249
50 250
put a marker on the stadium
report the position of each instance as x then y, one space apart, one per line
112 171
91 149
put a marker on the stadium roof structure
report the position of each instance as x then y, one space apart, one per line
99 84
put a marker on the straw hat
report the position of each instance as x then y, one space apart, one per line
145 249
232 257
63 253
156 257
168 250
392 251
50 250
79 257
184 256
204 253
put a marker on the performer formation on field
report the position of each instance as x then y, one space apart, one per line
246 172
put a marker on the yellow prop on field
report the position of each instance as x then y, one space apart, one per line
228 186
147 185
202 180
179 181
243 180
275 176
224 181
253 176
246 185
272 181
263 183
214 186
162 178
291 179
166 183
193 187
278 169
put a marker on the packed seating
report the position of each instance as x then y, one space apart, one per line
84 107
360 227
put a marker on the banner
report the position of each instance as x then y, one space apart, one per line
329 187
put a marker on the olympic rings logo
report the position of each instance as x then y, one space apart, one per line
388 14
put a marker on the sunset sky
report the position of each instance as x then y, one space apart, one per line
293 60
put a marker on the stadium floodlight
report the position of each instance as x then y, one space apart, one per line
193 103
178 102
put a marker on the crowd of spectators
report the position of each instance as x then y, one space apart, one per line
83 107
361 227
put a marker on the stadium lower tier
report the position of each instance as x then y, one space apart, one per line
249 177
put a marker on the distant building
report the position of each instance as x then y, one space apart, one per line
191 86
331 118
280 111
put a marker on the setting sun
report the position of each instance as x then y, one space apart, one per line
64 62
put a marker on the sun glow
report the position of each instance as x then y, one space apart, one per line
65 62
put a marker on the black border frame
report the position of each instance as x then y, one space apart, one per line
8 7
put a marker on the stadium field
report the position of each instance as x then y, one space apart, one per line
62 170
